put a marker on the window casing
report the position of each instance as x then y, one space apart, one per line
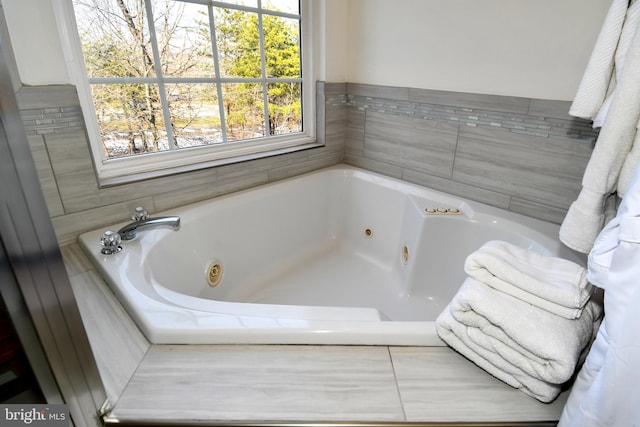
229 146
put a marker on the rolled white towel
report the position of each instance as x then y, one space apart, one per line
554 284
517 334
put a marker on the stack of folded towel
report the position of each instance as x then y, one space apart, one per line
523 317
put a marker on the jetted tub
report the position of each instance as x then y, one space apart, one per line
338 256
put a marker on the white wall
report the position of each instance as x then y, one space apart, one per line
337 13
40 54
36 42
530 48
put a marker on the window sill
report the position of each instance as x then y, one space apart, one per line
132 169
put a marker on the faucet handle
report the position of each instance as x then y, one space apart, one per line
110 242
140 214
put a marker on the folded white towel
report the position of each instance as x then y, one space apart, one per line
554 284
456 335
513 339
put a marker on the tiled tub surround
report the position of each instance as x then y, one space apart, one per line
274 383
58 140
525 155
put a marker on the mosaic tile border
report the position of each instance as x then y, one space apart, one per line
42 121
333 102
526 124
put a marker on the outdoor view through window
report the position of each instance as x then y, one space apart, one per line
173 74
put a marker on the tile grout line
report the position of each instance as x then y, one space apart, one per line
395 379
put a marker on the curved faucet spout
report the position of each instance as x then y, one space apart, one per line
130 231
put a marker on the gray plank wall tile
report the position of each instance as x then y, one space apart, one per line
472 192
313 163
417 144
69 226
68 152
335 127
537 169
320 110
507 104
354 142
41 97
522 154
374 165
375 91
54 123
550 108
199 192
334 88
537 210
46 175
452 141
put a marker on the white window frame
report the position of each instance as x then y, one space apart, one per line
134 168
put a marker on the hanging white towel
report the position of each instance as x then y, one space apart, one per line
530 347
553 284
601 393
631 22
595 83
585 217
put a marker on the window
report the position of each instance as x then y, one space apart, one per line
181 84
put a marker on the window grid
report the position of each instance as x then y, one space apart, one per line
159 76
161 81
263 66
216 69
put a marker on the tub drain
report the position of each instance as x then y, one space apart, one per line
214 273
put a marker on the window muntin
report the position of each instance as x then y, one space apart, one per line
203 94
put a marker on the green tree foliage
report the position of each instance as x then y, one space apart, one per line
117 43
241 56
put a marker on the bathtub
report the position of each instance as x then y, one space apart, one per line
338 256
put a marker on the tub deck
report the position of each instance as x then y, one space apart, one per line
352 384
272 384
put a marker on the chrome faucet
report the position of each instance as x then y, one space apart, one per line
141 220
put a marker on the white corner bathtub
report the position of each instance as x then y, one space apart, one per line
338 256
